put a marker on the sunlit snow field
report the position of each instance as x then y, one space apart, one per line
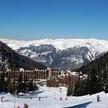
50 98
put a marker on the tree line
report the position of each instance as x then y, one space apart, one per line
97 78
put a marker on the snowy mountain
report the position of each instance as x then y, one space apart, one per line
9 59
60 53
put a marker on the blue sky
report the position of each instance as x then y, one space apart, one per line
37 19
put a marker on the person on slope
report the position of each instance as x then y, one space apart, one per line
98 98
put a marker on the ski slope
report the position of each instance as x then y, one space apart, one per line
50 98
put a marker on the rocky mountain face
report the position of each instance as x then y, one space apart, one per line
9 59
70 58
60 53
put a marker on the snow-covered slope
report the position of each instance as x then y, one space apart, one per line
50 98
67 53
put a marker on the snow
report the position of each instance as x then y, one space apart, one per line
46 53
60 43
50 98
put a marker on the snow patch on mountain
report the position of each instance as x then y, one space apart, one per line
61 44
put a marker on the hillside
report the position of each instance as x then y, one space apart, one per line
100 64
50 98
97 77
10 59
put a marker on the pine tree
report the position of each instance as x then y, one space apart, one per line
80 88
69 90
94 81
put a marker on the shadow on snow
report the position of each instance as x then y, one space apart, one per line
84 105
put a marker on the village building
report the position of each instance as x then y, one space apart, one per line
48 77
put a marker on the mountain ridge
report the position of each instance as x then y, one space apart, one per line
60 53
60 44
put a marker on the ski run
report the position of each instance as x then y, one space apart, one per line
47 97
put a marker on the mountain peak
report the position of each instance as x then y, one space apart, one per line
60 53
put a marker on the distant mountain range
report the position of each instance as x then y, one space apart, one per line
60 53
9 59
